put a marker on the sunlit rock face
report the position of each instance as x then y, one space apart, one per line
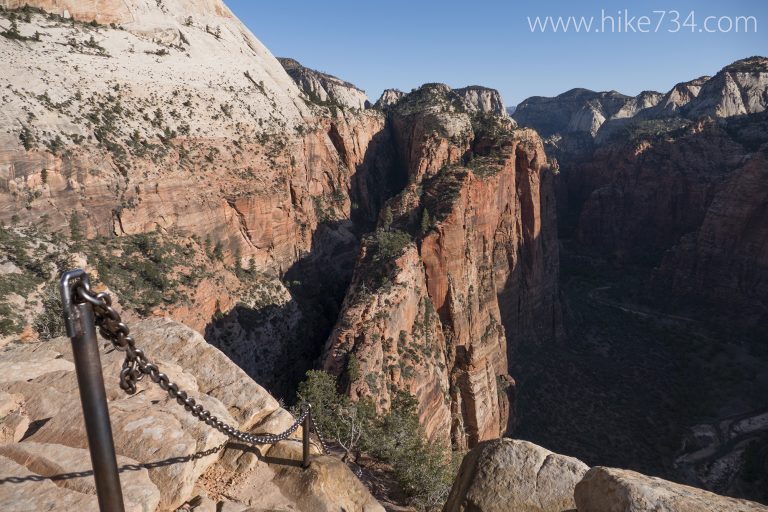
479 277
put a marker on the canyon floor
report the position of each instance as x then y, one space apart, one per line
631 380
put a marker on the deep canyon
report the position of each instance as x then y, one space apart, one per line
589 273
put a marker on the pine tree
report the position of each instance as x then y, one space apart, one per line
426 222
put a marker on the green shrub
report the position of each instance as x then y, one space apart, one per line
424 470
27 138
75 232
143 274
49 323
390 244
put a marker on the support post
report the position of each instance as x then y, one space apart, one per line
81 328
306 428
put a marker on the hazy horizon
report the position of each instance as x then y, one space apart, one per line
407 44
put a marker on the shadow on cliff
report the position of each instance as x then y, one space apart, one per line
317 281
276 344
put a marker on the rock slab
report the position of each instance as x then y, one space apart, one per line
620 490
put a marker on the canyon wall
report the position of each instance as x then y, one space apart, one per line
256 185
463 266
656 186
175 121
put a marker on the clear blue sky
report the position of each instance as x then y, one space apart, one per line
402 44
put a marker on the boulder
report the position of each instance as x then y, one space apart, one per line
620 490
326 486
508 474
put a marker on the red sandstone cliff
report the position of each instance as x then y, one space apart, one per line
480 276
177 121
724 262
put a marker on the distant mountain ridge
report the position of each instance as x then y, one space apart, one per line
739 88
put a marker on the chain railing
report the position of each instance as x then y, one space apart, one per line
84 311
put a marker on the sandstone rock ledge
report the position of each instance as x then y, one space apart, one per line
167 458
506 475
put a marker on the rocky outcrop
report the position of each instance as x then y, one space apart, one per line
620 490
474 98
226 147
482 99
436 316
508 474
642 101
52 463
395 337
339 488
738 89
122 12
389 97
324 88
65 474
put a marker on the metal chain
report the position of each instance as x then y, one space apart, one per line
319 435
136 365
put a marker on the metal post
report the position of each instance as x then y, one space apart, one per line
81 328
305 437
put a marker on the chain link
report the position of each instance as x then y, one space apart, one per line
136 365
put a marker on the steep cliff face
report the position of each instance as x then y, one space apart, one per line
195 132
690 199
679 96
227 146
724 260
436 315
324 88
657 178
661 216
390 338
680 171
